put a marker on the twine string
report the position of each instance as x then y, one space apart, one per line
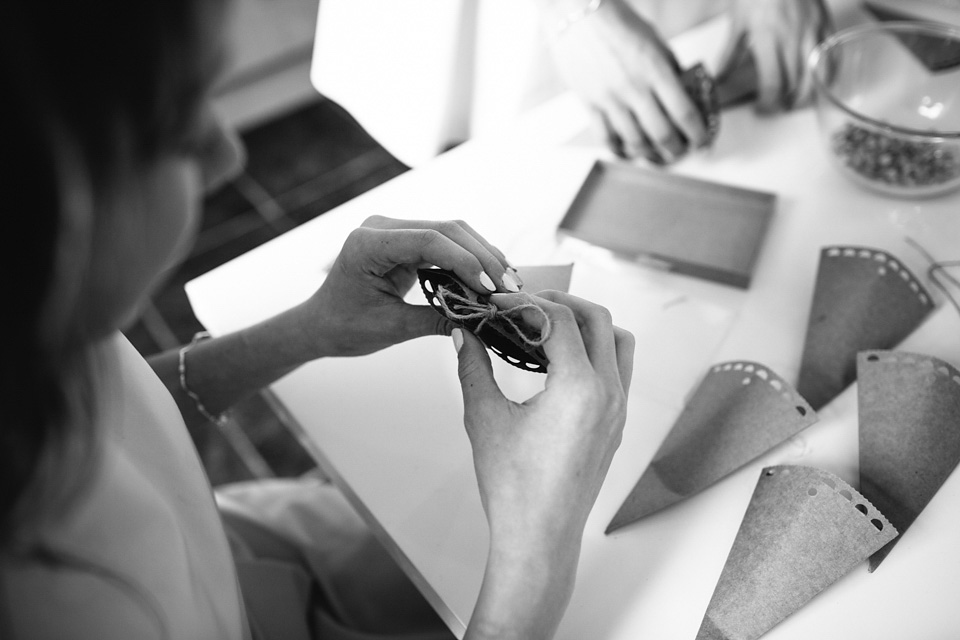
462 309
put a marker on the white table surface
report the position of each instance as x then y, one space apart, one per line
388 427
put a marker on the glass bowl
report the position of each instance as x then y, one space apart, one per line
888 105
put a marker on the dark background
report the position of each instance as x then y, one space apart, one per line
300 164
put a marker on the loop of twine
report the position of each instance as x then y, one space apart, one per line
487 311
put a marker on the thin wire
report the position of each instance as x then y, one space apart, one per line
938 269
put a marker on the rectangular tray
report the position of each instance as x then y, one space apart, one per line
694 227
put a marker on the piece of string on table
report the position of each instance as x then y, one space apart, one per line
486 311
938 273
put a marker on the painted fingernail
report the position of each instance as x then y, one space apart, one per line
457 335
510 283
487 282
516 276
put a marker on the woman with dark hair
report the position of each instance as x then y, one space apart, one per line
108 526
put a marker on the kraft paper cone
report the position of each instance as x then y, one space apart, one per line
863 299
739 411
909 433
503 332
934 53
803 530
737 81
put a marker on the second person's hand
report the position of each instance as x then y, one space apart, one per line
780 34
618 63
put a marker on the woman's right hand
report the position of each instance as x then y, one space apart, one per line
540 464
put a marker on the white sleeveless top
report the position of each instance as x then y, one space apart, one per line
160 563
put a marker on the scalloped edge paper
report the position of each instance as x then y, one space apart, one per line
740 410
863 299
909 409
804 529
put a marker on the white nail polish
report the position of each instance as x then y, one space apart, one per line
510 283
457 335
487 282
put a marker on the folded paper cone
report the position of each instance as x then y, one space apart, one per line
909 433
804 529
863 299
739 411
737 82
503 331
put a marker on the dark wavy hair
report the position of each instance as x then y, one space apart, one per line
88 87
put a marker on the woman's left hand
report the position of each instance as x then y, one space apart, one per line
780 34
359 308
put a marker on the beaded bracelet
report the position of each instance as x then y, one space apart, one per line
219 420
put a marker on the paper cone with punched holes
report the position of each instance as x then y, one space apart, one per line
739 411
502 332
507 337
863 299
909 433
737 82
803 530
